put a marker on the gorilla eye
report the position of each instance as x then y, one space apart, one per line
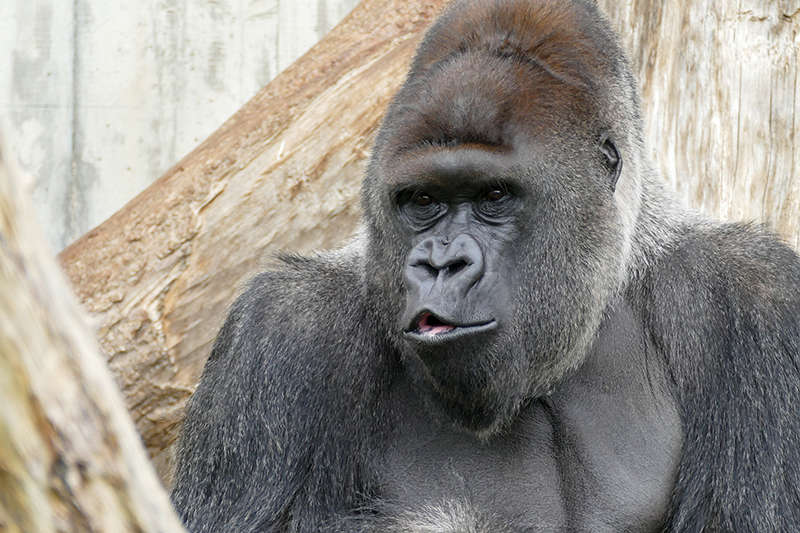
422 200
419 208
495 195
495 201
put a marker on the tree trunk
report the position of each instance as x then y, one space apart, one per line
283 173
70 458
721 102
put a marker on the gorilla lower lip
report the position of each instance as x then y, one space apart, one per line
429 328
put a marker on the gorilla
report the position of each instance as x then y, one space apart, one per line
528 334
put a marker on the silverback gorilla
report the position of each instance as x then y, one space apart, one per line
530 334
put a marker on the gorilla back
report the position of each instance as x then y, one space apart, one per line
530 334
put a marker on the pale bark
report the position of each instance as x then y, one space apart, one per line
70 457
721 100
720 104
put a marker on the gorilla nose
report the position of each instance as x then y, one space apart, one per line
458 265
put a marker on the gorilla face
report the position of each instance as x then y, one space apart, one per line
502 262
462 216
495 241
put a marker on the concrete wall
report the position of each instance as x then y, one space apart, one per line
100 98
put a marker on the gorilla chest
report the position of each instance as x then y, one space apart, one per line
599 455
579 474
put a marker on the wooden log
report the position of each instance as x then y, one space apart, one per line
721 101
282 173
70 457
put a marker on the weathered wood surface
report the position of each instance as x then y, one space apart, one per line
103 97
722 102
283 173
70 458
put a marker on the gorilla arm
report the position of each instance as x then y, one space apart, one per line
275 433
724 308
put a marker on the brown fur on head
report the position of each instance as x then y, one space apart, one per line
560 36
485 75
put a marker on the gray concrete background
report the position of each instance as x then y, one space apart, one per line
100 98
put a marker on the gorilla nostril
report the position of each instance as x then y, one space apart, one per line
449 270
427 268
456 267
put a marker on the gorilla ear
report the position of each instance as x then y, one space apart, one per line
613 160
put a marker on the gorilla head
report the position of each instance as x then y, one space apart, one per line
499 221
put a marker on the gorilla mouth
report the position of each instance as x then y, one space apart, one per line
430 328
430 324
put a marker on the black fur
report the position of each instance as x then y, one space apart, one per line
530 334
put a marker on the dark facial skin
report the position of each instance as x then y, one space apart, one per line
454 274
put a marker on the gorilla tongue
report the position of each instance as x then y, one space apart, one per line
430 325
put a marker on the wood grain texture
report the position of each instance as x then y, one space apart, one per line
70 458
282 173
721 101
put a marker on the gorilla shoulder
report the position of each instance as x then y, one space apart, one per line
301 298
728 272
723 309
289 375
